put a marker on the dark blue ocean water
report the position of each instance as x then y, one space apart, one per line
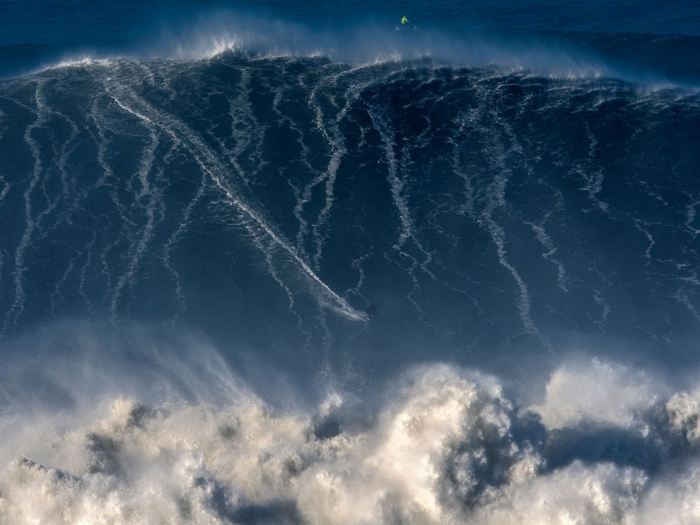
282 263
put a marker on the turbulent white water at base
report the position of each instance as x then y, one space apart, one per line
446 445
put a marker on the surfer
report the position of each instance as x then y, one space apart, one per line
371 311
406 25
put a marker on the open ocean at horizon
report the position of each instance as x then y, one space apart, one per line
281 263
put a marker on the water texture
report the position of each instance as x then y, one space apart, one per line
255 269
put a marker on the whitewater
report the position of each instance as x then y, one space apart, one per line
256 273
169 434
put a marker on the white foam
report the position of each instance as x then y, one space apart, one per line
79 62
574 495
442 448
597 392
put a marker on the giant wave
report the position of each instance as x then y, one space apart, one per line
508 224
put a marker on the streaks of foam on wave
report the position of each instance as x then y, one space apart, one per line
102 150
357 264
17 307
406 165
339 150
55 296
173 239
466 121
495 195
690 216
71 197
309 99
499 239
210 164
5 184
184 222
3 129
593 178
640 226
462 120
546 241
61 157
83 272
107 179
150 195
106 273
303 196
683 298
538 228
268 251
398 185
599 298
461 172
245 130
5 189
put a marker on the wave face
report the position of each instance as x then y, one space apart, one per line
167 221
275 198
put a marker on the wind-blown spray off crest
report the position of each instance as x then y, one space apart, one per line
368 42
207 34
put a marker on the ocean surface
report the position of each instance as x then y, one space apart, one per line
280 263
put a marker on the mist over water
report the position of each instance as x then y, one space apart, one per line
282 265
475 35
140 427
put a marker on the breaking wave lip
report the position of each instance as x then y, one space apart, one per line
210 35
553 66
444 445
